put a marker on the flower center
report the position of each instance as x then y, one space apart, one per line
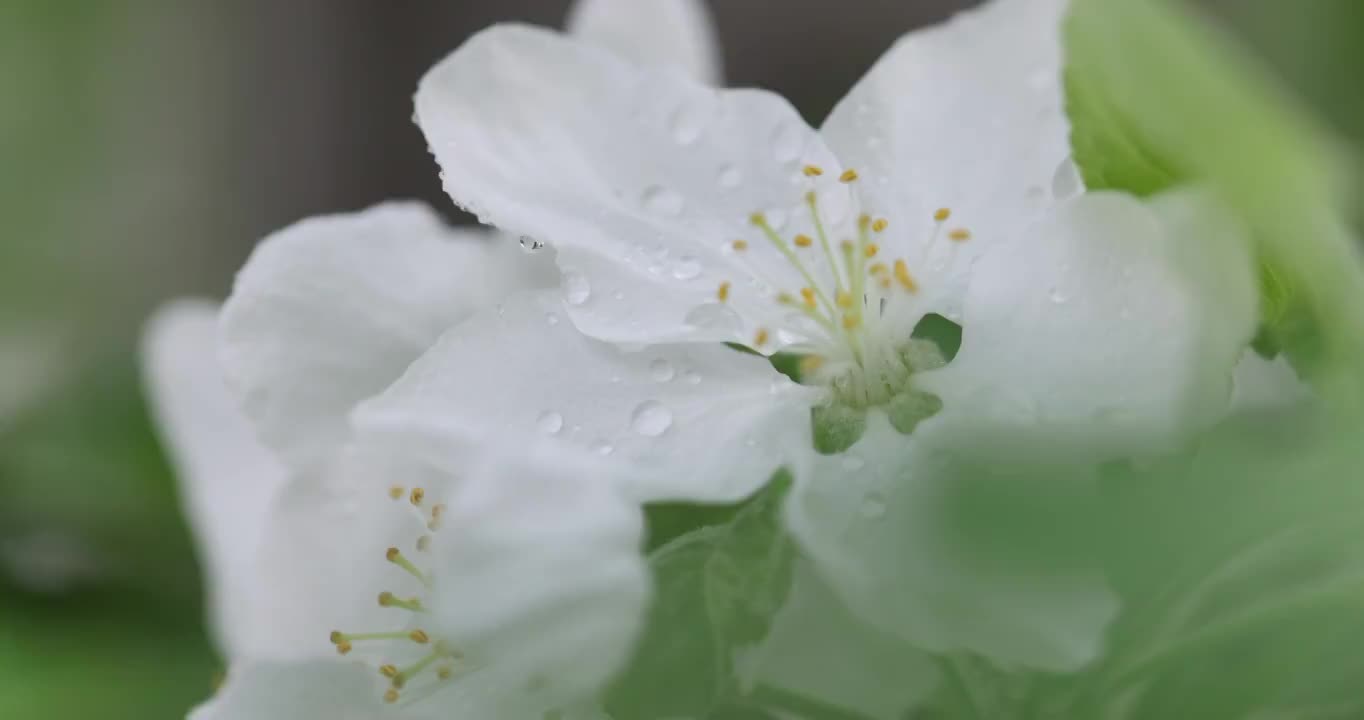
862 354
406 654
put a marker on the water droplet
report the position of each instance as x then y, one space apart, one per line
651 419
550 422
786 143
1065 181
576 288
692 377
618 295
1058 296
873 506
687 268
687 123
729 177
715 316
601 447
530 244
663 201
853 463
661 370
551 318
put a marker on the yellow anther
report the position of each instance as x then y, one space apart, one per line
844 299
424 543
941 214
959 234
722 294
811 363
337 637
386 599
388 671
343 648
851 321
758 219
878 268
804 241
396 491
398 681
739 245
393 555
871 249
445 672
863 221
903 277
848 176
808 295
884 282
760 337
786 298
846 246
418 494
880 224
813 171
811 198
391 696
437 510
419 636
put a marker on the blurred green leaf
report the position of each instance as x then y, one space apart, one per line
717 588
1157 97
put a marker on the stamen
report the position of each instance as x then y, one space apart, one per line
445 672
435 521
880 224
813 171
418 494
871 249
904 278
419 636
804 241
424 543
808 295
812 201
388 599
848 176
811 363
959 234
722 293
407 673
760 337
851 321
388 671
343 648
941 214
396 492
396 557
391 696
739 245
760 221
877 269
844 299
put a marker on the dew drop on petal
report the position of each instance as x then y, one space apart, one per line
729 177
1058 296
687 268
714 316
530 244
550 422
661 370
786 145
551 319
576 288
687 123
601 447
651 419
618 295
873 506
661 200
692 377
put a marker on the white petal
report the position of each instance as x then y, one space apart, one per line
1111 327
322 563
227 479
323 690
641 178
1262 385
331 310
654 32
693 421
817 649
540 579
967 116
885 526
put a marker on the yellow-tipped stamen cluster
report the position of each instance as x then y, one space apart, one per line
438 653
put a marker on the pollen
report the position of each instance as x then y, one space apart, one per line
844 299
344 647
388 671
903 277
396 492
848 176
758 219
804 241
863 221
871 249
419 636
941 214
813 171
880 224
722 293
959 234
851 321
760 337
811 363
391 696
739 245
808 295
418 494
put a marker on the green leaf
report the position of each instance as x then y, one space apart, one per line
717 589
1156 98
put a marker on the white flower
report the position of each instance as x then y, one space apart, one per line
683 216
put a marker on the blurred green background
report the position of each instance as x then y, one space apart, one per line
146 144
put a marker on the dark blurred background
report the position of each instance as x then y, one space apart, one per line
146 145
